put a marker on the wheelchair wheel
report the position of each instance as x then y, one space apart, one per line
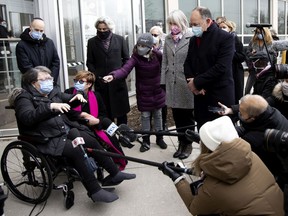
26 172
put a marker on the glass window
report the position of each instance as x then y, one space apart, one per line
264 11
154 14
281 17
233 13
187 6
250 14
214 6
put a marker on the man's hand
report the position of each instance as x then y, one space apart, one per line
60 107
108 78
79 97
192 87
227 110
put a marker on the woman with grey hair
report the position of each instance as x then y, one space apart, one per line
107 52
178 96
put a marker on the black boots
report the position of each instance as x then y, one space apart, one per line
183 151
186 151
145 144
160 142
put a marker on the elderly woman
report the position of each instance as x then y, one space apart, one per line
107 52
234 181
178 95
42 110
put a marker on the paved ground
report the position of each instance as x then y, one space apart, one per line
150 194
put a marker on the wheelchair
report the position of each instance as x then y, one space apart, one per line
30 175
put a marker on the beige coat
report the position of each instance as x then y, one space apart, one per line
237 183
172 73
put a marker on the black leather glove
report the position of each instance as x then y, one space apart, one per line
168 171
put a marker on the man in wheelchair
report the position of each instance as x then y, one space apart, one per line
41 111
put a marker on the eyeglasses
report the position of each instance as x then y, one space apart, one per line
49 78
155 35
80 81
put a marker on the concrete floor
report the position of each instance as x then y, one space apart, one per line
150 194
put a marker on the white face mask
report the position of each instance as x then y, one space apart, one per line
225 29
284 88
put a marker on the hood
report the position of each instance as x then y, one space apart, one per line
277 92
25 36
230 162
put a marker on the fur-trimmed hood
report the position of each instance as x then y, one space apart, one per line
277 92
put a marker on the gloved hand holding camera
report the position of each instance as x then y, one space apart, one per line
175 176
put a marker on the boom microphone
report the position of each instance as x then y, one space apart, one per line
258 25
123 131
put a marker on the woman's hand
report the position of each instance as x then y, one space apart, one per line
60 107
108 78
227 110
79 97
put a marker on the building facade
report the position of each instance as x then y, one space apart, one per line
70 23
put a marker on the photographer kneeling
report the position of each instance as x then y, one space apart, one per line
234 181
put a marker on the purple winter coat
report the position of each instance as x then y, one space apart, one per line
149 94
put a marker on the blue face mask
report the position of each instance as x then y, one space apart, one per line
79 87
36 35
197 31
260 37
46 86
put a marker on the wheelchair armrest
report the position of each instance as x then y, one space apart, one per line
35 139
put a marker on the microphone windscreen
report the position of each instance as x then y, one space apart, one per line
106 122
109 126
128 132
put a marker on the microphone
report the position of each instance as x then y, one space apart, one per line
125 137
258 25
192 136
77 140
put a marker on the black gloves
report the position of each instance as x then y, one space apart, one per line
168 171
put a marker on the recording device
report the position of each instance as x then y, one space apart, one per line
192 136
276 141
258 25
77 140
123 131
215 109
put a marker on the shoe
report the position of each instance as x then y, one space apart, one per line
160 142
117 179
145 146
179 150
104 196
186 151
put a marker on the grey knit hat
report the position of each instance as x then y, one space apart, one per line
145 39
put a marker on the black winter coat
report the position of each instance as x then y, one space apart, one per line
31 53
35 118
101 62
210 64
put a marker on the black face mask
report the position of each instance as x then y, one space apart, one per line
103 35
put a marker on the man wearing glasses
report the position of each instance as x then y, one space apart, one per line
36 49
107 52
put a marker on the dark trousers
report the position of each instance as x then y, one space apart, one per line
75 156
183 118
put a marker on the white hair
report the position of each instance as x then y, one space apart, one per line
106 20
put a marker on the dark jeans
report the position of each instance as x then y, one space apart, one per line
183 118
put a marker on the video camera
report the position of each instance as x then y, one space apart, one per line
280 70
276 141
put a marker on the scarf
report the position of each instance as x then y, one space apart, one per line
93 106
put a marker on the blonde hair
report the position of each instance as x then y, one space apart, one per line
107 21
158 29
267 36
196 164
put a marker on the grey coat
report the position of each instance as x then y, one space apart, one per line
172 73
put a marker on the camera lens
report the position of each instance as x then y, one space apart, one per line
276 141
281 71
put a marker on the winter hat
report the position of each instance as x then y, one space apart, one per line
214 132
145 39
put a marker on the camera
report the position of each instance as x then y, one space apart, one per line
281 71
276 141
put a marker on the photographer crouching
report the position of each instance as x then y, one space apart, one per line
234 181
